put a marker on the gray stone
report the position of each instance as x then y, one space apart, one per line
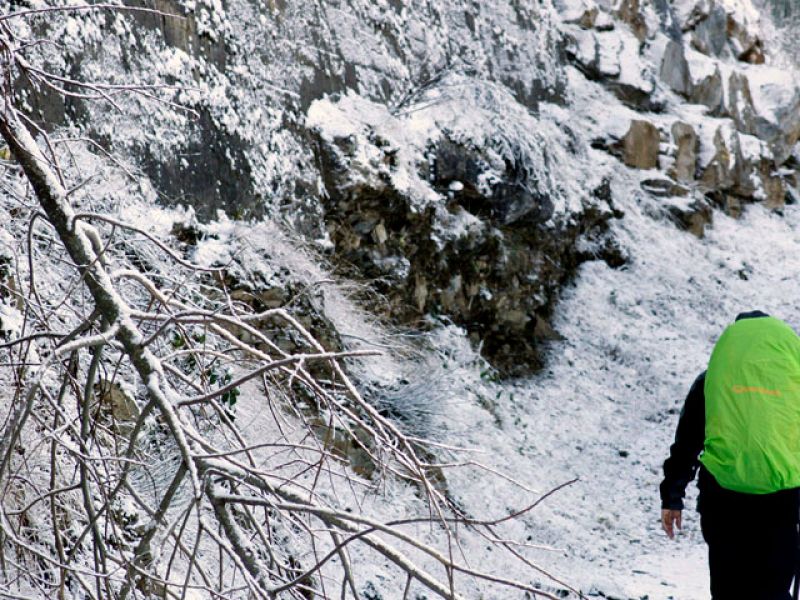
640 145
710 93
740 103
710 35
785 135
717 174
686 143
675 69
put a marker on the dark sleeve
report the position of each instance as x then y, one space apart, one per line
683 461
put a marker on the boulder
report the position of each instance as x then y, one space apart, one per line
787 132
745 40
732 205
774 186
612 57
588 19
746 169
629 12
640 145
717 174
692 215
710 35
610 46
710 92
636 92
740 104
675 69
686 146
582 50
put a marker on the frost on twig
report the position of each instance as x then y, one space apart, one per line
124 471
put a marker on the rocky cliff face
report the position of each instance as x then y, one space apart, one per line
442 152
249 70
461 207
723 124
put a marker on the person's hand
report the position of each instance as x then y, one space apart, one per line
669 520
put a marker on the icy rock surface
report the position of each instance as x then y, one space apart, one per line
454 205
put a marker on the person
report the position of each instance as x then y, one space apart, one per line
740 427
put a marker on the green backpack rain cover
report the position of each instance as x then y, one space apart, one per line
752 394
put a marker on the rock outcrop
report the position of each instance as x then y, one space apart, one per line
247 71
640 145
440 224
717 30
709 53
686 146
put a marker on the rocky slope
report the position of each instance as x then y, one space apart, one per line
423 147
251 73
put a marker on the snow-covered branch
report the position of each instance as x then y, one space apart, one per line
123 469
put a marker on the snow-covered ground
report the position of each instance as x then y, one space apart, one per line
603 410
605 407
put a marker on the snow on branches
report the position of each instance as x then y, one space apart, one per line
124 472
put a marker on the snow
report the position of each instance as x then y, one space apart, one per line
744 12
11 320
773 90
635 339
467 111
353 118
633 70
604 408
702 66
